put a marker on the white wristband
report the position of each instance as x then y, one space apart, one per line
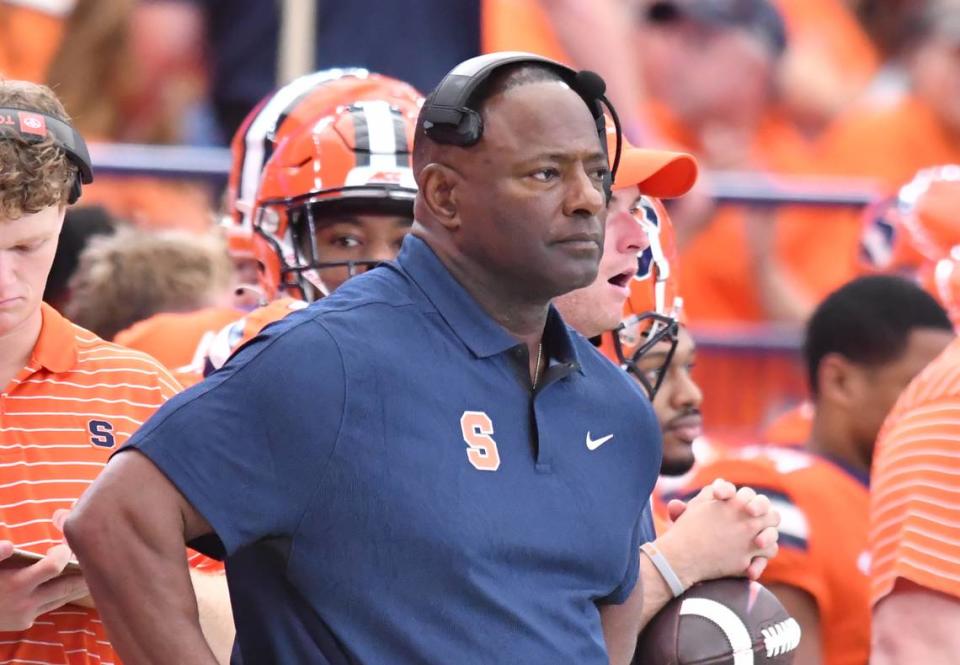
663 567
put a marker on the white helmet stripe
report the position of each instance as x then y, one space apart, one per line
255 155
381 134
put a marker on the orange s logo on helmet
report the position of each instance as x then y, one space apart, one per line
917 226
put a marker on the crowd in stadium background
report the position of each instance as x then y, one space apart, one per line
856 97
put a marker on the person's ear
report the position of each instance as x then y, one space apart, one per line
839 380
438 192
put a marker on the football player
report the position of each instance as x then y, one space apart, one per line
342 187
863 345
913 233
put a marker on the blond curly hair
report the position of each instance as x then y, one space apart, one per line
33 176
134 274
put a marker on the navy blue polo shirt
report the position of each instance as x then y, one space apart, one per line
387 488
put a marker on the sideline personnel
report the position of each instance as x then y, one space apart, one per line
68 399
452 476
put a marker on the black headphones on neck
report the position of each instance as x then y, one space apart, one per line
34 127
448 119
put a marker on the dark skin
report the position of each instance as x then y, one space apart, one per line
851 404
517 219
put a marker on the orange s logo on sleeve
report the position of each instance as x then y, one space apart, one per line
482 453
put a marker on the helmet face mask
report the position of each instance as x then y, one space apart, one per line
307 266
636 337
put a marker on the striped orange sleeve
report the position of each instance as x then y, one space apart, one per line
915 491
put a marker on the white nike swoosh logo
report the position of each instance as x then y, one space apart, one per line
593 444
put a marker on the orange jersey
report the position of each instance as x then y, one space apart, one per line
791 428
61 417
173 337
240 331
915 498
823 536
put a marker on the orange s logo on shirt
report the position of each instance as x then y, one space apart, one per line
481 448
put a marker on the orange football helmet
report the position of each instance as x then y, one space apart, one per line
356 160
942 281
920 225
653 309
286 110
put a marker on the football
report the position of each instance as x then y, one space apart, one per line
730 621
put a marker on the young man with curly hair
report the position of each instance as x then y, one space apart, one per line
67 400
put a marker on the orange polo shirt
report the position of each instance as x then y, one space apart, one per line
78 399
914 495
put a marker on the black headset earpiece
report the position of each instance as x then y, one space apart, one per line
34 127
448 118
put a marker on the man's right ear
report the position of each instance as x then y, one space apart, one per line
438 191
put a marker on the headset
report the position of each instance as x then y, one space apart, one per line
448 119
34 127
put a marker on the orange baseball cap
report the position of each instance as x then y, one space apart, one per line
662 174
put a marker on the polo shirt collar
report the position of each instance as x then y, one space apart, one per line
478 331
56 347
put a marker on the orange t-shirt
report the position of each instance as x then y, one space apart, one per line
30 34
173 338
716 269
77 401
890 143
823 536
915 496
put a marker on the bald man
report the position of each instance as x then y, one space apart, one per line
451 475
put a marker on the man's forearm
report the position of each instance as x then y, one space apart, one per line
128 534
915 625
216 617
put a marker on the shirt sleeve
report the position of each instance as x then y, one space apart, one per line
247 447
643 532
915 500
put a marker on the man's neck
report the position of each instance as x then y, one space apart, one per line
522 317
830 441
16 345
